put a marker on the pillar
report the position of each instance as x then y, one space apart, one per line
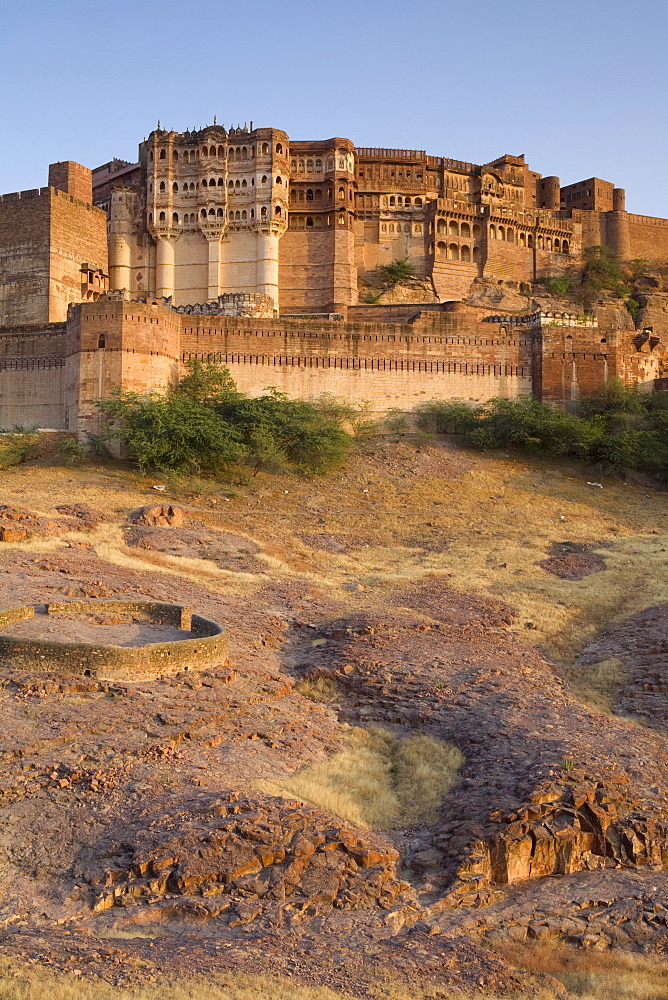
164 268
213 281
267 265
120 239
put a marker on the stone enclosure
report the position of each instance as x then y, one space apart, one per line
203 643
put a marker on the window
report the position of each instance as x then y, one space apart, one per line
244 216
384 227
465 253
264 178
101 340
453 229
309 195
244 185
163 154
175 188
162 185
175 218
441 226
293 165
221 151
465 230
318 166
175 155
530 241
392 201
163 217
453 252
293 196
221 182
278 210
309 222
318 195
564 247
265 148
342 194
279 180
342 220
212 151
263 212
204 151
203 213
220 213
407 202
476 254
309 166
502 233
279 149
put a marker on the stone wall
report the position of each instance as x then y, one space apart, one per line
32 377
207 648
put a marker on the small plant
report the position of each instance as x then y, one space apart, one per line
72 450
318 689
568 763
396 422
398 270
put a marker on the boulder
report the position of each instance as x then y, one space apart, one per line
159 515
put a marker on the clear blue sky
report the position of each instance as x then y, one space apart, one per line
578 86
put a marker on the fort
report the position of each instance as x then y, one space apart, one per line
247 248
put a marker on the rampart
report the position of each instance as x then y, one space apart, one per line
208 646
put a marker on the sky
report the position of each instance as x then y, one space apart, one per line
578 86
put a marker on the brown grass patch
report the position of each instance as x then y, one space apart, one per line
318 688
379 781
590 975
599 684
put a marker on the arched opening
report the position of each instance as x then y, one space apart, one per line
492 232
441 247
557 246
418 202
220 213
278 210
501 233
453 252
244 185
244 152
476 254
163 154
391 227
244 216
309 166
263 212
265 148
230 153
441 226
465 253
392 200
264 179
309 195
237 186
204 151
192 187
318 195
318 166
523 240
175 188
150 218
383 228
175 155
162 185
212 212
279 149
342 194
203 213
465 230
237 216
565 247
163 217
309 222
279 180
476 231
212 151
342 220
407 202
293 196
221 151
510 235
549 243
530 241
453 229
175 218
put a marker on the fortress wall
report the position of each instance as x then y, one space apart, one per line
78 234
191 262
32 371
392 365
452 278
24 257
649 237
316 270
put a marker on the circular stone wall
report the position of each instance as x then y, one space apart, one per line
203 645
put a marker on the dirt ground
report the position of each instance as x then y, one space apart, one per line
467 597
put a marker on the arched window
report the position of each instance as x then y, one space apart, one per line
252 215
293 165
392 201
557 246
230 153
263 212
204 151
541 243
278 210
549 243
221 151
309 195
163 217
237 186
564 247
318 195
342 220
318 166
212 212
384 227
342 163
530 241
151 156
465 253
230 185
264 179
301 195
150 218
476 231
192 187
399 200
293 196
465 230
279 180
441 247
418 228
237 216
391 227
407 202
244 152
309 222
221 182
243 184
265 148
162 185
453 252
441 226
502 233
453 229
175 218
163 154
476 254
523 240
175 155
203 213
220 213
212 151
175 188
510 235
309 166
279 149
330 162
492 232
244 216
342 194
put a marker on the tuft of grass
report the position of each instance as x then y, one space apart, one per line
380 781
600 684
591 975
318 688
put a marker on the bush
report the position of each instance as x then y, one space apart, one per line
203 424
615 429
399 270
20 446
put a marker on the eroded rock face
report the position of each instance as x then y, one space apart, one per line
250 859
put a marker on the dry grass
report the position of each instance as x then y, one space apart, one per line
318 688
379 782
588 975
599 684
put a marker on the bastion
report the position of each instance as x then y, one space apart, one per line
186 641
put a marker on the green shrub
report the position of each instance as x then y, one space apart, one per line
398 270
618 428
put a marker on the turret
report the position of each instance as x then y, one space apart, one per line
617 227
